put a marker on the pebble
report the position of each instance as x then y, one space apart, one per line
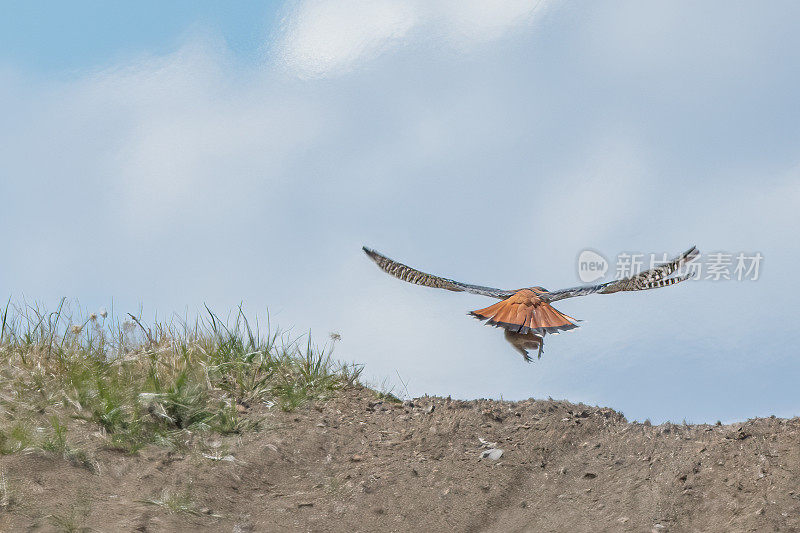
493 453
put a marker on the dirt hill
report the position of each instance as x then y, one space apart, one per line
359 463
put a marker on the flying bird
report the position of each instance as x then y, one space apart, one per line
526 314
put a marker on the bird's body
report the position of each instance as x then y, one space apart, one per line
522 342
526 314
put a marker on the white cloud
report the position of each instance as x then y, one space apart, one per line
470 21
605 193
324 37
170 135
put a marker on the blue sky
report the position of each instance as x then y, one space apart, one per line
172 155
59 39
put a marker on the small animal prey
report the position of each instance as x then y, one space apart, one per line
526 314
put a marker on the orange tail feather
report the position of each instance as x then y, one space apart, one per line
524 312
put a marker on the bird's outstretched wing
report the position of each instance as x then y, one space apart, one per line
412 275
649 279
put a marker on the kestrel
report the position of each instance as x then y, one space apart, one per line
526 314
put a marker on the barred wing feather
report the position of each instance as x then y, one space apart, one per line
412 275
649 279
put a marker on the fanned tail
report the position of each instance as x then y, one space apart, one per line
526 313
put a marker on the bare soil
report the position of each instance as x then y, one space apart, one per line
356 463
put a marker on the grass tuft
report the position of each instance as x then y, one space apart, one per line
72 521
140 384
175 502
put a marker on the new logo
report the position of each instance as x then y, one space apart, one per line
591 266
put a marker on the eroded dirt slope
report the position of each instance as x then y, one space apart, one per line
358 464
